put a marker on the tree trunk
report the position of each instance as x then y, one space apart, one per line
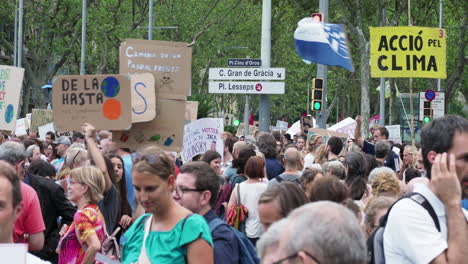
364 48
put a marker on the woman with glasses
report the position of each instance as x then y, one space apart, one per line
168 233
82 239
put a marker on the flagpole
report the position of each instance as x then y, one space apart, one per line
322 72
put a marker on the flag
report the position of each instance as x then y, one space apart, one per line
322 43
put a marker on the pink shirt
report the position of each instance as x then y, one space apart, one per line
30 221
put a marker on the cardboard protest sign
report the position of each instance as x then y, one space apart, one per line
44 129
21 126
143 97
11 82
408 52
347 126
166 130
240 130
202 135
101 100
40 117
191 110
326 134
306 123
169 62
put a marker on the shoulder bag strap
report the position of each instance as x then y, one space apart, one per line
238 194
420 199
143 258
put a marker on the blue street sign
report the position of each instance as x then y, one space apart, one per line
430 95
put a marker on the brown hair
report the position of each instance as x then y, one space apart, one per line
309 175
154 161
329 188
254 169
288 194
375 204
7 171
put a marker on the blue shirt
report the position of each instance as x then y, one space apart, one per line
273 168
128 180
465 204
226 247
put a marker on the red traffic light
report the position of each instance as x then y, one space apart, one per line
317 17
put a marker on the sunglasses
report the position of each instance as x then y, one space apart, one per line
150 158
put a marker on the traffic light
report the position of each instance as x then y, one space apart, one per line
317 17
427 112
236 122
317 94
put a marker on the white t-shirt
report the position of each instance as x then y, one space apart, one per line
308 160
249 196
411 235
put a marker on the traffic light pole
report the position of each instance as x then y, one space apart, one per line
322 72
264 111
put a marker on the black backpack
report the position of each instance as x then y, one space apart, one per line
375 241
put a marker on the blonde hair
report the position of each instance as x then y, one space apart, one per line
321 155
312 143
93 178
385 183
154 160
75 157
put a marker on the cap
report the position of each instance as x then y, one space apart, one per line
63 140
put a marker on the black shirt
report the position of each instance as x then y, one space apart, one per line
110 208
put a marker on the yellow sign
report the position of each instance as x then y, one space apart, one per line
418 52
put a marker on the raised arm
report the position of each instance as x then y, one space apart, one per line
357 132
96 155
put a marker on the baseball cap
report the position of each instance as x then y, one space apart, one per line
63 140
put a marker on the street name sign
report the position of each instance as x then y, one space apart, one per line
244 62
260 74
246 87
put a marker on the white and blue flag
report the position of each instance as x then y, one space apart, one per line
322 43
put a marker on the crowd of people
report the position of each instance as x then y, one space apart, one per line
273 198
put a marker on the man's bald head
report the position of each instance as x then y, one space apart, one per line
291 157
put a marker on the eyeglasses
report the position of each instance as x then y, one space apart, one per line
295 256
150 158
76 155
179 191
70 182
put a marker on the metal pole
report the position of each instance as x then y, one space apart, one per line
308 97
382 101
440 26
15 41
83 38
246 116
322 72
264 111
20 35
150 20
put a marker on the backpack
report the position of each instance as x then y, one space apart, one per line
224 196
375 241
280 179
247 251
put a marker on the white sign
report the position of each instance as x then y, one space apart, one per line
281 125
247 74
44 129
438 105
20 129
202 135
347 126
246 87
394 133
28 118
14 253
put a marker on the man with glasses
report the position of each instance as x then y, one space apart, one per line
322 232
197 187
53 202
62 143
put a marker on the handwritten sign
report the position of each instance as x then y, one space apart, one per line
326 134
11 82
21 126
102 100
408 52
169 62
44 129
40 117
166 130
347 126
202 135
143 97
394 133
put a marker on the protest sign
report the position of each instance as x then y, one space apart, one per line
191 110
166 130
408 52
325 134
101 100
20 127
14 253
281 125
202 135
44 129
28 119
294 129
240 130
394 133
306 123
374 123
169 62
143 97
346 126
11 82
40 117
